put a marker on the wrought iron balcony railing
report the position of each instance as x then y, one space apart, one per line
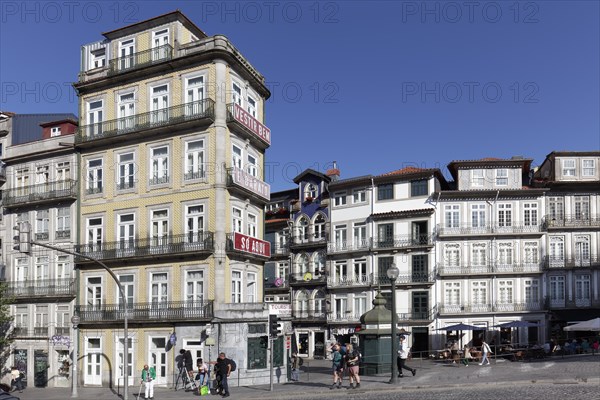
580 220
140 59
309 314
38 331
471 308
349 246
307 241
308 278
63 234
62 330
352 317
197 110
585 261
402 241
40 193
280 250
192 242
158 311
487 229
407 278
41 288
488 268
361 280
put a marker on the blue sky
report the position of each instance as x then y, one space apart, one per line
375 86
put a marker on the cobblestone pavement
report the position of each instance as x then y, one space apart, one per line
576 377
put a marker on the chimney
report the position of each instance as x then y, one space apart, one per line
333 173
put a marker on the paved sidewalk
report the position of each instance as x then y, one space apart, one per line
316 380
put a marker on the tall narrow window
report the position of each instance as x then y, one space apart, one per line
194 159
582 250
237 222
420 268
94 291
126 113
127 281
360 235
531 253
556 210
251 106
582 289
126 179
479 292
63 267
581 207
42 174
340 235
530 214
95 118
479 254
236 287
451 216
94 181
319 227
42 266
94 234
236 157
194 286
159 103
42 222
478 215
532 291
556 251
251 287
159 165
160 45
236 93
194 95
504 215
252 166
194 223
501 177
63 171
159 290
505 292
126 231
160 227
63 223
126 54
252 225
452 255
385 234
505 253
452 293
557 289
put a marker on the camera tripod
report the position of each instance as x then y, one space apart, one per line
185 379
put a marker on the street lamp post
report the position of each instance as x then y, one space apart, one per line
393 273
75 321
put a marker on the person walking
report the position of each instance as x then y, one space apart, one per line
403 353
337 367
148 377
295 376
485 349
466 355
222 371
16 379
352 362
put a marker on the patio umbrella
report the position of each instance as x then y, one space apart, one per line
516 324
591 325
461 327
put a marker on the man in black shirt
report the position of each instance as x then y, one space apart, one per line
222 370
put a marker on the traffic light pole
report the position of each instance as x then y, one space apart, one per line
271 342
123 299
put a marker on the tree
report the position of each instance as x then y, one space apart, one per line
6 336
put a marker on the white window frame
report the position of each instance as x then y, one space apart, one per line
194 159
340 199
126 170
159 103
194 285
359 196
478 212
194 222
530 214
477 177
502 177
252 225
588 170
237 220
236 286
451 215
160 165
195 92
504 215
251 287
568 167
95 176
55 131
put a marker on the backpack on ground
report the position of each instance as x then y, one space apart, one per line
232 363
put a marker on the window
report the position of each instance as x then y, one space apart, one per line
63 267
452 216
55 131
94 291
479 292
159 165
236 287
556 209
63 223
319 225
501 177
251 226
302 230
42 174
63 171
251 287
340 236
360 235
126 177
568 167
341 272
42 266
257 352
582 288
251 106
302 264
582 249
504 215
360 305
282 270
237 223
236 93
341 306
160 45
505 253
22 318
386 235
194 96
383 264
126 112
94 234
359 196
42 221
127 281
385 192
588 168
22 179
530 253
532 290
252 166
339 199
159 221
94 181
557 250
420 266
63 318
126 231
236 154
530 214
479 254
581 207
194 286
310 191
97 58
477 177
95 118
319 263
360 270
126 55
557 288
505 292
194 216
478 215
41 319
159 289
419 188
159 103
452 255
452 293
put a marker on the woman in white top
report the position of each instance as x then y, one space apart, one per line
485 349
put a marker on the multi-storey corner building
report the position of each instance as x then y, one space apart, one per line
40 188
489 249
572 223
172 147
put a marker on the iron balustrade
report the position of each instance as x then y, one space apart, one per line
490 228
312 279
63 234
158 311
140 59
402 241
309 314
469 308
417 315
169 244
488 268
349 245
41 288
42 236
62 330
571 220
361 280
280 250
41 192
551 262
201 109
410 278
191 175
344 317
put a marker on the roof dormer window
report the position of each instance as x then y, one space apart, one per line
55 131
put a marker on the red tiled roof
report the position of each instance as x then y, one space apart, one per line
333 171
404 171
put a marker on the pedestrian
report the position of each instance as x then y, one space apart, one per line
202 372
148 377
403 353
222 372
466 355
352 363
16 379
295 367
337 367
485 349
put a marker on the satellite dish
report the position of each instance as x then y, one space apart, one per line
278 282
307 276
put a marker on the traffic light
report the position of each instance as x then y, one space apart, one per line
22 240
275 327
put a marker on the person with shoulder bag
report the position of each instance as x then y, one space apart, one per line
485 349
352 362
403 354
337 367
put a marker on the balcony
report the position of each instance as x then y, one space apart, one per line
46 288
40 193
187 115
344 317
411 278
140 59
346 282
169 245
306 241
280 250
579 221
562 303
62 331
310 315
62 234
26 332
592 261
447 309
248 126
350 246
163 311
307 279
450 269
403 242
241 181
465 229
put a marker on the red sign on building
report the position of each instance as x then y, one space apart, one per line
251 183
251 245
244 118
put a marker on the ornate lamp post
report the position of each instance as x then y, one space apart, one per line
75 321
393 273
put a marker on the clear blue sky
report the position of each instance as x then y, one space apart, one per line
375 86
